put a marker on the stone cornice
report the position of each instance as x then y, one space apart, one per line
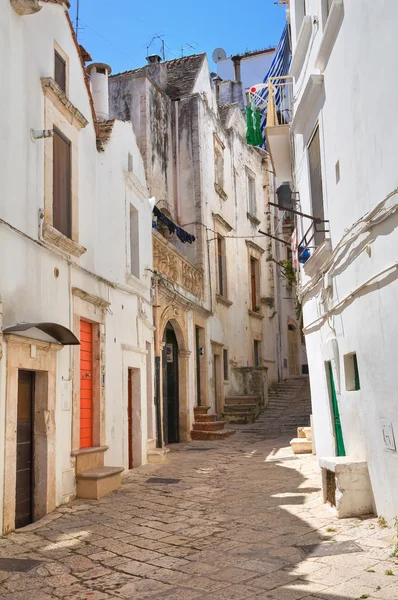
53 92
96 300
133 182
221 221
56 238
255 247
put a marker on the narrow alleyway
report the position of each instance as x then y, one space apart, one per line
221 521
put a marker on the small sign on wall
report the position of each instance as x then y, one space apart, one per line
388 435
66 394
169 353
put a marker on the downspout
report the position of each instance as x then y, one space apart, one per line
177 172
156 318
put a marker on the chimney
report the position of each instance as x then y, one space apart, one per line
154 59
236 62
99 73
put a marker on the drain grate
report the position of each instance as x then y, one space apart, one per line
199 449
20 565
330 548
163 480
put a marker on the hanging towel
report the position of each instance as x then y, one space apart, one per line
250 134
258 136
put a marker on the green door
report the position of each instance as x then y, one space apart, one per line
336 415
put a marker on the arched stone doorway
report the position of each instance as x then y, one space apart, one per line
171 404
293 347
176 425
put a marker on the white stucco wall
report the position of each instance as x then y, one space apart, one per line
28 287
357 129
253 68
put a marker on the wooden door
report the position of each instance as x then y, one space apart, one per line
86 384
340 448
25 423
130 417
293 351
197 352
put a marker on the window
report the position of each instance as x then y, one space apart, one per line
221 267
315 168
220 170
226 364
60 71
134 242
352 382
254 283
251 189
62 196
256 353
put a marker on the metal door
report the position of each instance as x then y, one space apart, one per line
24 478
340 449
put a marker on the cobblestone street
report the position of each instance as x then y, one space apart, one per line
226 523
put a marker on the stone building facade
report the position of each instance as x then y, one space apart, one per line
217 330
76 332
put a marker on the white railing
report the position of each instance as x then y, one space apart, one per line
279 103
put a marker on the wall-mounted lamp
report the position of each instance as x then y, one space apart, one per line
39 134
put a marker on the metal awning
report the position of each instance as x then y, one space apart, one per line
61 334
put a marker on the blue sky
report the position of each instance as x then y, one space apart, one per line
118 32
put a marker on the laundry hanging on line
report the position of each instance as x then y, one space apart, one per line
182 235
254 136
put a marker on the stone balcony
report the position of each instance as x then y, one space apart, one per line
168 261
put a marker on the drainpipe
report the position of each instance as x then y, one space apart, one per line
156 318
177 162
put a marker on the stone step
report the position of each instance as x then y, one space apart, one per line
212 435
240 418
157 455
232 408
200 410
99 482
241 400
301 446
210 426
205 418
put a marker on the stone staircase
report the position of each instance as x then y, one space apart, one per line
206 426
289 407
241 409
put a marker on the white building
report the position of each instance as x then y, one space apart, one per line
344 55
248 68
218 312
75 225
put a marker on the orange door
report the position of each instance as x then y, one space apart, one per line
86 384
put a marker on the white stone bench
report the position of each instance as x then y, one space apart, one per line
346 486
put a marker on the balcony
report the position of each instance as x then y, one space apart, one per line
277 128
173 266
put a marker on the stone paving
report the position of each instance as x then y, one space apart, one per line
230 529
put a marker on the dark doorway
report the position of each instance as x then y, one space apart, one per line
130 417
170 387
197 352
25 466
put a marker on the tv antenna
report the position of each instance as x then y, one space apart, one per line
186 48
77 17
157 37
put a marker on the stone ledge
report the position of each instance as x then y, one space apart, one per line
220 191
100 473
58 239
89 450
255 314
223 300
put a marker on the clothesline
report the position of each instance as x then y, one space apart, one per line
182 235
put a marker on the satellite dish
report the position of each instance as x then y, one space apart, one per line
219 54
